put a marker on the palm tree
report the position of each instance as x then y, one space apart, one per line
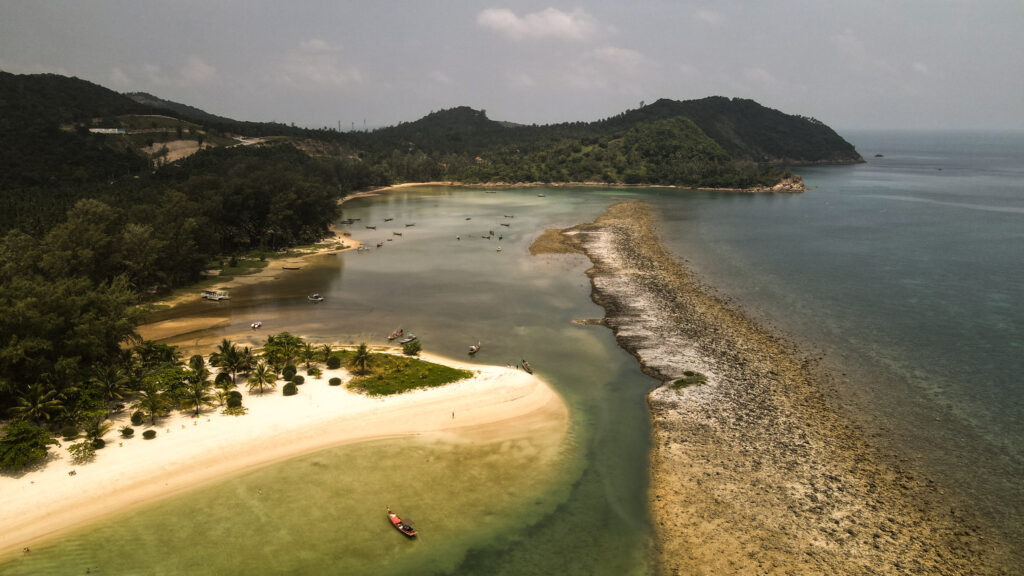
309 354
111 382
262 376
246 360
151 400
224 351
361 358
325 352
197 395
96 426
38 403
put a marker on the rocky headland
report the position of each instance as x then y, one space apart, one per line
755 471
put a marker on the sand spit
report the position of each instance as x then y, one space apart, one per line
755 472
39 505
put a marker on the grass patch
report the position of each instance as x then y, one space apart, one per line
390 374
689 379
244 267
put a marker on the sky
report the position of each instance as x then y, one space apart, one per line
866 64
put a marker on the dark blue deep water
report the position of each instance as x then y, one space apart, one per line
907 273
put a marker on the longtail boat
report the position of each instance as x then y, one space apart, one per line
474 349
396 334
526 366
402 527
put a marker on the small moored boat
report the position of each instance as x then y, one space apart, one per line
526 366
315 298
407 339
474 349
396 334
215 295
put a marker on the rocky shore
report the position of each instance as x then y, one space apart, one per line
755 471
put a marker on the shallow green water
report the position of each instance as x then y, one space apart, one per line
481 508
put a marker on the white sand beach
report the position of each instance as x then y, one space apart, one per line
190 452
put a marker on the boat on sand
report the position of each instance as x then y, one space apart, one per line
315 298
402 527
527 367
407 339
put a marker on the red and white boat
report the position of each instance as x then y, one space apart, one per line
396 334
402 527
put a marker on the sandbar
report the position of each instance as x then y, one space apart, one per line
189 452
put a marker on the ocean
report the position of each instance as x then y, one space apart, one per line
907 275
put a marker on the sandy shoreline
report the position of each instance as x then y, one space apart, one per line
191 452
755 471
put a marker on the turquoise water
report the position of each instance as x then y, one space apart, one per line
480 509
908 274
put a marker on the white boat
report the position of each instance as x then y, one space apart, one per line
407 339
315 298
215 295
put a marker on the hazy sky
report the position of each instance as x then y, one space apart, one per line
852 64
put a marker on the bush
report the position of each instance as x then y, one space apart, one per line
314 372
69 432
290 389
288 372
334 381
99 443
223 381
412 348
127 431
138 418
689 378
82 452
149 434
334 362
234 401
298 379
23 444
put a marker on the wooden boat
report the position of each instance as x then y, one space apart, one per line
407 339
474 349
397 233
291 267
371 227
526 366
396 334
215 295
408 225
506 224
388 219
315 298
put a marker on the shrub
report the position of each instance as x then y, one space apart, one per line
69 432
334 381
314 372
149 434
290 389
23 444
223 381
234 401
137 418
235 410
298 379
82 452
288 372
99 443
412 348
334 362
127 431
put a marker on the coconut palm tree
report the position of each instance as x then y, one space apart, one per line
96 426
308 354
151 400
38 403
325 352
197 394
361 358
262 375
112 383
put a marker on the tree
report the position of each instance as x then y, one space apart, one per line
262 375
24 444
197 394
151 400
37 404
96 426
309 354
325 352
111 382
361 358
